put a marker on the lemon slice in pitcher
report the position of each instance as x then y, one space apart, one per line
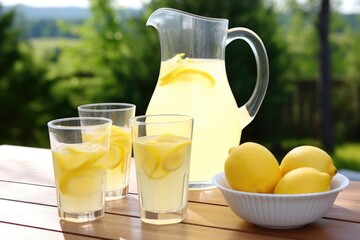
184 73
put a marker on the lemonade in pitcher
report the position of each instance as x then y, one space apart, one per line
199 88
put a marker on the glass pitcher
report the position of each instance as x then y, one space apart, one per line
192 81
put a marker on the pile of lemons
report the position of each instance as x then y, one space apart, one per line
251 167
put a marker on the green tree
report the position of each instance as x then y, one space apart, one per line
23 89
299 33
325 77
111 62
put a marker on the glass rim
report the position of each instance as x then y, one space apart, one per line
181 118
52 124
126 106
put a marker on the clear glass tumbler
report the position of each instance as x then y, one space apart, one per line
80 149
117 183
162 149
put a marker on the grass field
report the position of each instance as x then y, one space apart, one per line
347 156
47 47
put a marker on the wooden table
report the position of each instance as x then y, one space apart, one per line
28 210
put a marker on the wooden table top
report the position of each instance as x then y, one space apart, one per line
28 210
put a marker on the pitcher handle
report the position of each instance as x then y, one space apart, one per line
251 107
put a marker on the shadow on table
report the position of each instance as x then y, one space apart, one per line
89 229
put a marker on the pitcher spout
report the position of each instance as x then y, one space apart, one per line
156 19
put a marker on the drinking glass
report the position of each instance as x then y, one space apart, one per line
79 149
162 146
117 183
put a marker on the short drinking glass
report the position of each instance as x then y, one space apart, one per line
117 184
162 146
79 149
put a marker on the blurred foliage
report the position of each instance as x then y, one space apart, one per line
24 98
302 42
116 58
113 61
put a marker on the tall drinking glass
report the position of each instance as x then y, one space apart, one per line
162 146
117 184
79 149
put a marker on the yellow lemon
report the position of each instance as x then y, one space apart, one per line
303 180
308 156
251 167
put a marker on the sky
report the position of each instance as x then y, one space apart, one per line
68 3
347 6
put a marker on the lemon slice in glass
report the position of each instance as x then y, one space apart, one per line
116 155
76 156
119 134
176 156
96 135
160 155
120 145
150 158
82 183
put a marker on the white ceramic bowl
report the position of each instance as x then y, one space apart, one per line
281 211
